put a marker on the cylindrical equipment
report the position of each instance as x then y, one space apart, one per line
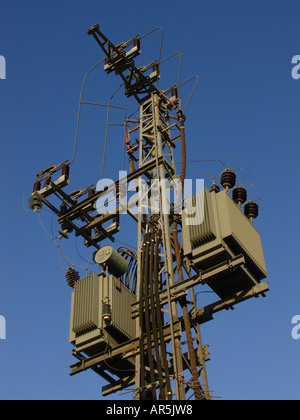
91 191
174 92
72 277
106 312
63 208
251 210
228 179
65 229
109 258
215 188
65 169
35 202
239 195
36 186
67 226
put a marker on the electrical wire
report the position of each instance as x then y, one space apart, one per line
83 259
192 93
107 124
79 106
60 252
82 89
161 41
106 131
180 60
112 367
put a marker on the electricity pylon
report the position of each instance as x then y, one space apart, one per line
152 340
159 254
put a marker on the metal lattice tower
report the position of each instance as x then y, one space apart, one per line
158 256
155 146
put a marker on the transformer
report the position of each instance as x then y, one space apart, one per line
216 230
100 313
111 260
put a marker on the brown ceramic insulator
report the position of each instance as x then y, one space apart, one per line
91 191
228 179
65 169
251 210
36 186
63 208
239 195
72 277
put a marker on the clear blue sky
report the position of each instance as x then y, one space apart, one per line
246 104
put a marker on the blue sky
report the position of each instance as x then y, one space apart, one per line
246 104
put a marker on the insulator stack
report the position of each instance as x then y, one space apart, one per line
239 195
36 186
63 209
91 191
174 92
155 67
72 277
215 188
251 210
67 226
65 169
228 179
35 202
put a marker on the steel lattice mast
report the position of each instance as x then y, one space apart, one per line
155 150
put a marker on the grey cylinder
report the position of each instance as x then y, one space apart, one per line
111 260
